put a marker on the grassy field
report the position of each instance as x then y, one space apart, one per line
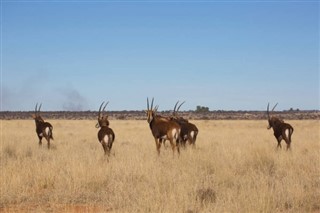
235 167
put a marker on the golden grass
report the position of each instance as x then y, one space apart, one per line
234 168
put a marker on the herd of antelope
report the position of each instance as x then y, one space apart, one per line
178 130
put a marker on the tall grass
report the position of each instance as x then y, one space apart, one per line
235 167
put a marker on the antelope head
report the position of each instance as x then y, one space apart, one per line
151 112
175 112
36 116
272 120
102 119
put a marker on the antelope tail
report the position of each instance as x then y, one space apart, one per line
50 133
290 133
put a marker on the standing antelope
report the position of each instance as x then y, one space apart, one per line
163 129
105 135
281 129
43 129
189 131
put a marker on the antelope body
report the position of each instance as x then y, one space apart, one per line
106 135
281 130
163 129
189 131
43 129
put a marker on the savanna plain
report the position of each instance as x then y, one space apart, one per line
235 167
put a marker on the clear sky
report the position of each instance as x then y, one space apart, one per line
230 55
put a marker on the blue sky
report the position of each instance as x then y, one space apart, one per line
234 55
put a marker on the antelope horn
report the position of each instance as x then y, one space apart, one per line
274 107
105 106
174 109
156 108
100 109
147 103
152 103
35 110
180 106
268 111
39 107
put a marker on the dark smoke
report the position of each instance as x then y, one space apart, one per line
74 101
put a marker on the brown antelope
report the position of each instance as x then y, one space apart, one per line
189 131
106 135
43 129
281 129
163 129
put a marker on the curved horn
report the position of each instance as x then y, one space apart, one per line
274 107
105 106
268 111
156 108
39 107
180 106
147 103
100 109
35 110
152 103
175 106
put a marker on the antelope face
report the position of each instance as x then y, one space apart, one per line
151 112
150 115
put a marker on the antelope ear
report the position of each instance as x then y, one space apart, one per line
146 111
33 116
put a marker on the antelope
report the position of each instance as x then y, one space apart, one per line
43 129
189 131
106 135
281 130
163 128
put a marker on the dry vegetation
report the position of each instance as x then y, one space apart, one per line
235 168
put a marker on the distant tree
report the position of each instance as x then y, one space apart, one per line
202 109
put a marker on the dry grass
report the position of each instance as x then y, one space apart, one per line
235 168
